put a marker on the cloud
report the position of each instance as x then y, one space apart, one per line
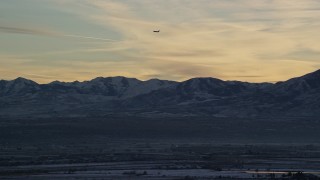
207 38
247 76
304 55
89 37
250 40
18 30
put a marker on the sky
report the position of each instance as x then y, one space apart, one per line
245 40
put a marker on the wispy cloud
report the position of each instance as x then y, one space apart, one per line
89 37
19 30
228 40
250 40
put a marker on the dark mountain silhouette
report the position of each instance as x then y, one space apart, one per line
198 96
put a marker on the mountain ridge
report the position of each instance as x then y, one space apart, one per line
298 96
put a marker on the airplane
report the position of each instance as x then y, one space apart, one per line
157 31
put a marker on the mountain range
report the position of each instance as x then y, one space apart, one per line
23 98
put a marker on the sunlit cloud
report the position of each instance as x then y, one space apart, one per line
211 40
248 40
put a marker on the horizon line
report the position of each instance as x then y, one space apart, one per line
271 82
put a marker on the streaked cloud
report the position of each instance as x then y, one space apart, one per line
248 40
18 30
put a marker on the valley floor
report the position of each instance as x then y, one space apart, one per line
137 149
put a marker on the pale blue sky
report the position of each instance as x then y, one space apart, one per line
248 40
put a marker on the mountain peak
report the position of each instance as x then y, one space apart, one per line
19 86
200 95
300 85
21 80
202 79
313 74
113 78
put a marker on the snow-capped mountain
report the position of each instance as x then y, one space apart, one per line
18 86
118 87
209 96
300 85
